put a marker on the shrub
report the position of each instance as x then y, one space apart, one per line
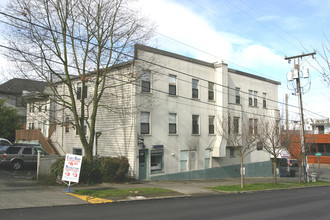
114 169
105 169
90 172
56 169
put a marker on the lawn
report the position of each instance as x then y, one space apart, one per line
266 186
129 192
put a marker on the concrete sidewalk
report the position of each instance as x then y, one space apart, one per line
25 192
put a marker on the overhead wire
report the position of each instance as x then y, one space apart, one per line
124 54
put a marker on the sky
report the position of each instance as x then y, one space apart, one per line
253 36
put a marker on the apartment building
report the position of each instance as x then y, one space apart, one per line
166 117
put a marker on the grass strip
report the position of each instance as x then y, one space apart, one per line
113 193
266 186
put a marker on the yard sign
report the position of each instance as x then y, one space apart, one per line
71 169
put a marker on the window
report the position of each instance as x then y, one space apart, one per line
77 151
195 124
195 88
250 126
145 125
156 161
231 152
250 97
80 92
45 108
211 124
31 125
237 95
229 125
259 146
236 125
172 123
277 126
183 160
253 126
172 85
40 107
27 151
255 99
207 158
145 81
264 102
67 129
211 91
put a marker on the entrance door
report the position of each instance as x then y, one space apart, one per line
143 154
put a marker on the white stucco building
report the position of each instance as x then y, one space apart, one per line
166 120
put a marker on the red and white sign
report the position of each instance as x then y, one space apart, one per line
71 169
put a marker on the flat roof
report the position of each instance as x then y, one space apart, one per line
196 61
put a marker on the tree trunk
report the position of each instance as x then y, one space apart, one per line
299 176
274 171
242 174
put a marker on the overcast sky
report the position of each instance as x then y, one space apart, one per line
250 35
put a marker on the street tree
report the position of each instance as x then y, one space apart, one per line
324 62
291 140
9 121
269 138
60 41
238 135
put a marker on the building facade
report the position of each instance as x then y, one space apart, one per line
166 112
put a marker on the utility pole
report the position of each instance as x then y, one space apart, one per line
286 112
296 75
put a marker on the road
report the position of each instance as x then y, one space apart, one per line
308 203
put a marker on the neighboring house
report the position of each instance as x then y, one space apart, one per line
167 121
318 126
317 140
13 91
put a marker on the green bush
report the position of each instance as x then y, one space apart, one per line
90 172
114 169
56 169
105 169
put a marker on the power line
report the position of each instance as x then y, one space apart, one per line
130 56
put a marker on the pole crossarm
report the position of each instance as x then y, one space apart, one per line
300 56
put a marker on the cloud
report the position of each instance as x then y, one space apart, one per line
191 30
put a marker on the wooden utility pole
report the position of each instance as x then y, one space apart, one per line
302 129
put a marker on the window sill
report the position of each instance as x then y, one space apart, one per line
175 96
156 172
173 134
195 134
211 134
145 134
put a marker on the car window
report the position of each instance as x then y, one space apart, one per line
4 143
27 151
13 150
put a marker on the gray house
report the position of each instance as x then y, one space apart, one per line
12 91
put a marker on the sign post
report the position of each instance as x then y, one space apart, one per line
318 160
71 170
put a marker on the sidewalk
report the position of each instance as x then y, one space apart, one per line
27 193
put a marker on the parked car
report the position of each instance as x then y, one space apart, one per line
19 155
288 167
4 144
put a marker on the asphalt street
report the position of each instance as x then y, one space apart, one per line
307 203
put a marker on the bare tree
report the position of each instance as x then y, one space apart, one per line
324 62
65 41
239 136
292 142
269 137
